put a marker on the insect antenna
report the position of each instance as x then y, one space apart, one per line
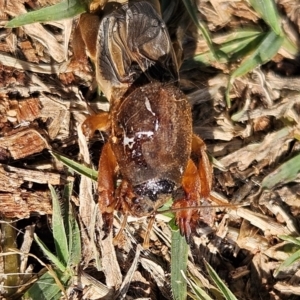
173 210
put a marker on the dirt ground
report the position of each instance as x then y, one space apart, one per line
44 98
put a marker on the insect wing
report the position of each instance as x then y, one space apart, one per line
133 41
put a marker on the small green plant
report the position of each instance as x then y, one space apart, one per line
179 246
253 46
295 242
285 173
179 251
219 290
67 255
266 47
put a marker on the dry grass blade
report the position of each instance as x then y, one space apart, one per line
128 278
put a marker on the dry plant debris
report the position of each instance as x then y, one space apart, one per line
45 96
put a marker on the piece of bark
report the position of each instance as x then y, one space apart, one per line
21 204
27 110
22 144
28 175
29 51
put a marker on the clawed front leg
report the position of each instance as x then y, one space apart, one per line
123 194
186 219
196 184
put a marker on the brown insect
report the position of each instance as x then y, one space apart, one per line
151 146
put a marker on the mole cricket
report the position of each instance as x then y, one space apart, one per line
151 147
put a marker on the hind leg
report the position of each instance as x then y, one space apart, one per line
107 173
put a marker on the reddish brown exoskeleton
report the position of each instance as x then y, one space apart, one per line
151 146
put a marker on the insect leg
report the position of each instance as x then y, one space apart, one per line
203 164
92 123
187 219
85 36
106 186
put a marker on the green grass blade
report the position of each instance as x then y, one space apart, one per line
288 262
241 34
54 260
179 258
267 49
77 167
268 11
74 241
219 283
265 52
191 8
66 196
63 10
72 228
46 288
290 239
199 292
240 48
59 232
236 45
287 172
167 206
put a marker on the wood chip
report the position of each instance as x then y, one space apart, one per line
22 204
35 176
23 143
